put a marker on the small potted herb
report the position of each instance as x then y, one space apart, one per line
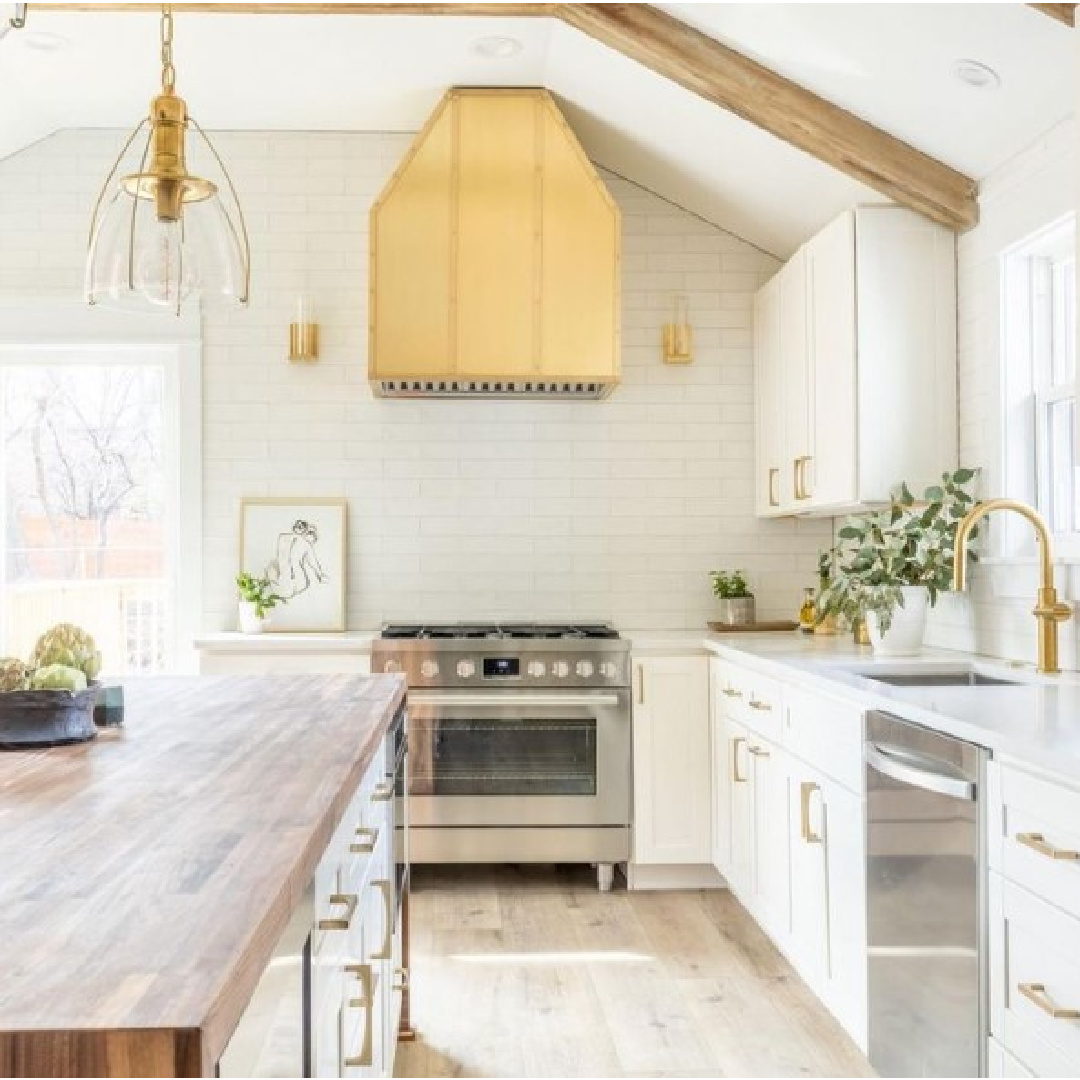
736 599
257 599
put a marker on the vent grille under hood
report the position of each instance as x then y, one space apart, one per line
495 253
413 388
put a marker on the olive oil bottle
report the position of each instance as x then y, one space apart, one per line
808 612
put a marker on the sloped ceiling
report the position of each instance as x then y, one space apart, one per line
890 63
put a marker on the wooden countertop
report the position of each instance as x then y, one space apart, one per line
146 876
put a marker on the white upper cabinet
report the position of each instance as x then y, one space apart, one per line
855 356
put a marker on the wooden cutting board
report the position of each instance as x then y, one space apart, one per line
750 628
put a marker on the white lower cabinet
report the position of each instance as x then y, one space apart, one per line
672 773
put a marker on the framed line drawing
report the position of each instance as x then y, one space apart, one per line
301 545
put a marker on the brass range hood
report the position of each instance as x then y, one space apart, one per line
495 253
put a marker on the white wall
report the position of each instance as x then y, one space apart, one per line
457 509
1037 187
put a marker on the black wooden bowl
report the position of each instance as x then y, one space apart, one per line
36 718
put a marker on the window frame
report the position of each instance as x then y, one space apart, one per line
58 332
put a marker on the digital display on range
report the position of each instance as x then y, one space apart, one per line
500 667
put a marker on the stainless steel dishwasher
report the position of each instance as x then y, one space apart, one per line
926 906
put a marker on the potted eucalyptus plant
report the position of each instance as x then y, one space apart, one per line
257 600
891 565
736 599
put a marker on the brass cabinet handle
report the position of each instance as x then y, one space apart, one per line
761 706
366 1001
383 791
759 751
1038 842
365 841
386 949
730 691
774 479
346 900
806 790
401 978
735 777
796 481
641 684
800 477
1037 995
807 493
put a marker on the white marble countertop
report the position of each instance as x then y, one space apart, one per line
273 641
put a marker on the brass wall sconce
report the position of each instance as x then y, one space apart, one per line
677 336
303 333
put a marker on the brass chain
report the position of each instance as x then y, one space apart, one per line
168 72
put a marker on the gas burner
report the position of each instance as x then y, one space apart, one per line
499 631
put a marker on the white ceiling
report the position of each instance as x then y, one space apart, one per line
891 63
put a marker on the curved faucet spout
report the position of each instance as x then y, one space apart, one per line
1048 610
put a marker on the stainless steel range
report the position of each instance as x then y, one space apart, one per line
519 741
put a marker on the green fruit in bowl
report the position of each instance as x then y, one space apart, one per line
58 677
67 645
14 675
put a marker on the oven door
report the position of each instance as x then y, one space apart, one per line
537 757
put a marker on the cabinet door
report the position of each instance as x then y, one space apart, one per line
721 771
672 769
809 902
768 400
769 890
739 808
795 388
829 477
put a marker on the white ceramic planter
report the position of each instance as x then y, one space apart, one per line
905 634
248 618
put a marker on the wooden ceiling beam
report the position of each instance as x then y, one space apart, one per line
1064 13
800 117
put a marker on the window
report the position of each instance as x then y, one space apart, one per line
93 494
1039 382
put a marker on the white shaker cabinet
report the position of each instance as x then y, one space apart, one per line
672 770
859 391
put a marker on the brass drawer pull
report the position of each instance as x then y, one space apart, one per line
384 791
774 477
366 1001
365 841
641 684
730 691
346 900
1038 842
761 706
1037 995
735 744
806 791
759 751
401 979
386 949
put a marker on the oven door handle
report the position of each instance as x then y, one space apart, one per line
516 701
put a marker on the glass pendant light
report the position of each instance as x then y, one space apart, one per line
160 234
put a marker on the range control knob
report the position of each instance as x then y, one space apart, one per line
429 669
608 670
584 669
391 666
466 669
560 669
536 669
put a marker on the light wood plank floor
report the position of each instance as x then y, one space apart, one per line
529 971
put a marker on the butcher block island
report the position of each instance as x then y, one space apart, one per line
151 876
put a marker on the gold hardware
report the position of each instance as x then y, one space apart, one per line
774 479
349 902
365 841
366 1001
800 477
386 949
795 478
806 790
401 978
1048 611
736 778
759 751
1037 995
761 706
677 336
641 684
383 792
1038 842
730 691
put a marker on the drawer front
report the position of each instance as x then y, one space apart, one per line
1035 834
751 698
1034 980
826 733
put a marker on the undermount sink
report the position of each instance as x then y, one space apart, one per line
956 677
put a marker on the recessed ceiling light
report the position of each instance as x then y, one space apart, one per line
976 74
42 41
497 47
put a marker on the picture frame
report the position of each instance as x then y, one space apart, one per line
301 544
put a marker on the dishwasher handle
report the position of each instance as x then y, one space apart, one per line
919 770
